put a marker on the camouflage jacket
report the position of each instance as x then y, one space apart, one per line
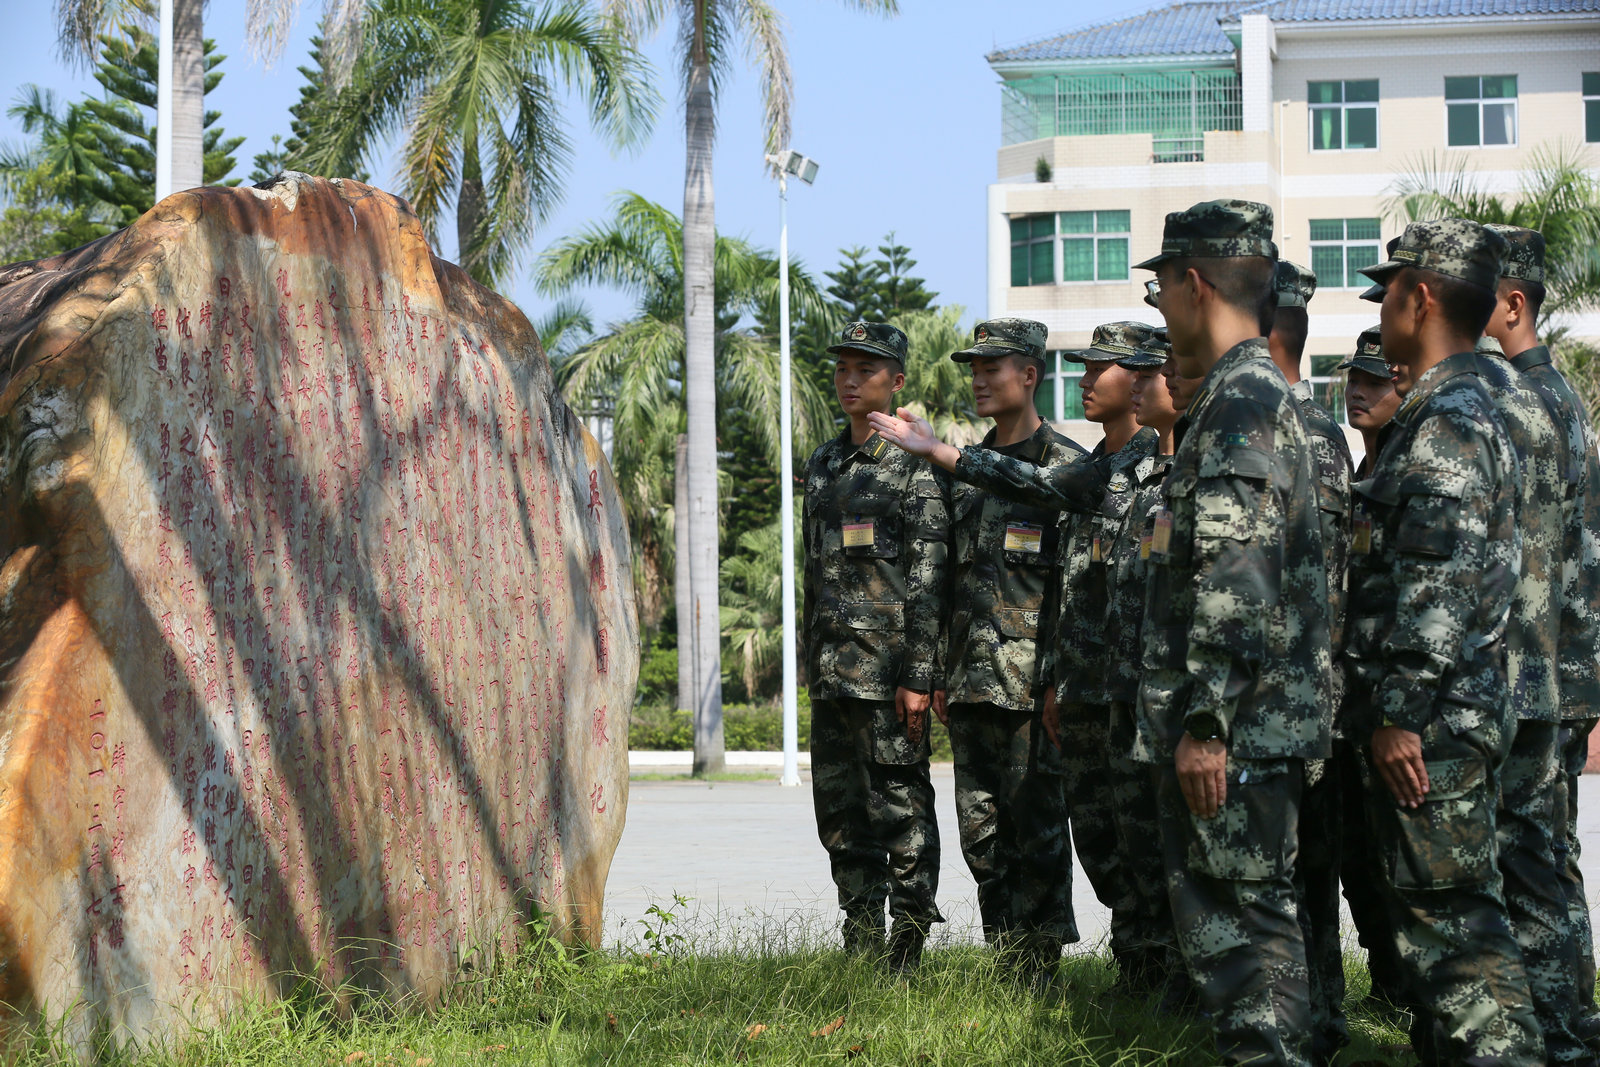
876 534
1579 641
1531 634
1006 567
1433 562
1236 608
1127 564
1332 456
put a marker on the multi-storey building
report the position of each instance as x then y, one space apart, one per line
1316 107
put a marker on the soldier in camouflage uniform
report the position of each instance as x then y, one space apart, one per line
1519 296
1535 899
1321 814
1370 401
1433 577
876 535
1010 791
1236 672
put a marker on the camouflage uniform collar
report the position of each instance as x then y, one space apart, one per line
1031 448
1301 390
1140 446
1537 356
1253 348
1441 372
874 448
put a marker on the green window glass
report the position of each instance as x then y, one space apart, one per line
1361 127
1019 264
1327 229
1325 132
1077 259
1042 267
1112 221
1591 107
1356 257
1462 124
1077 221
1591 83
1461 88
1020 230
1325 92
1327 263
1500 88
1113 262
1033 250
1363 229
1043 226
1362 92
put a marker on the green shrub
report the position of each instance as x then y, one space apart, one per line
745 728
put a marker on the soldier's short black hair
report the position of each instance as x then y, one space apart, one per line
1243 282
1028 361
1292 324
1533 292
1466 305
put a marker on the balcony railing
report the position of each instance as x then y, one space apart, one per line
1169 105
1178 150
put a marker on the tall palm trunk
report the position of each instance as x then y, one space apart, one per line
683 593
699 313
469 208
188 95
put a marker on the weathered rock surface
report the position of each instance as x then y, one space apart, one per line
316 625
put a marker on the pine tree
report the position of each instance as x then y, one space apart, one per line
897 290
855 286
303 118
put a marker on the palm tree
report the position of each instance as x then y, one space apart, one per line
1560 197
476 87
634 372
708 31
937 387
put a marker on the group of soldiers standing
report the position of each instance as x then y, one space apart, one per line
1233 671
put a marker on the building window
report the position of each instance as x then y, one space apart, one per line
1033 239
1327 384
1066 383
1343 115
1094 246
1591 107
1481 111
1340 248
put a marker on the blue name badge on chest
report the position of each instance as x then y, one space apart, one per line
1024 537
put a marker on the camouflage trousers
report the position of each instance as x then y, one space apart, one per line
1464 979
1231 882
1011 806
1316 890
1362 876
1574 742
1086 767
875 813
1536 899
1142 938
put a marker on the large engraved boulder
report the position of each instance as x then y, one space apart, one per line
317 638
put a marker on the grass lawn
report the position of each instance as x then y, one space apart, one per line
740 1004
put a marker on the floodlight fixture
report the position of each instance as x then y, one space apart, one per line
795 165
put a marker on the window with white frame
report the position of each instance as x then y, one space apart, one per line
1591 107
1340 248
1033 240
1344 114
1094 246
1481 110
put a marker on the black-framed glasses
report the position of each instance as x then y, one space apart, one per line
1152 290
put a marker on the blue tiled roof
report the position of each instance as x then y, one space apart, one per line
1339 10
1181 29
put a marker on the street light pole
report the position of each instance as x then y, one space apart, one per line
164 105
787 163
791 714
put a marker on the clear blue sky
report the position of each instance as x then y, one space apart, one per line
903 114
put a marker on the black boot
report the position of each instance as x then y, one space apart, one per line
906 939
863 931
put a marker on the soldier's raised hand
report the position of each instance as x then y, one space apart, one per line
910 431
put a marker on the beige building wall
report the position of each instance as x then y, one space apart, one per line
1277 166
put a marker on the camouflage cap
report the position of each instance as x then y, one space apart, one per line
1152 352
1112 341
1216 229
1005 337
1369 355
1488 346
1524 252
1294 284
1456 248
874 339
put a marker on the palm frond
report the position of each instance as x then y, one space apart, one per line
766 49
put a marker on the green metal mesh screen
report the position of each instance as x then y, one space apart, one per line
1175 106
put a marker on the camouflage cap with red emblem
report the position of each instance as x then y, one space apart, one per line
1005 337
872 339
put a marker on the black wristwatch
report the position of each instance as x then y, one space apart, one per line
1203 726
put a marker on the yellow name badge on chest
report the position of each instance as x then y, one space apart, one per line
1145 540
1361 534
859 535
1097 552
1020 537
1161 534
